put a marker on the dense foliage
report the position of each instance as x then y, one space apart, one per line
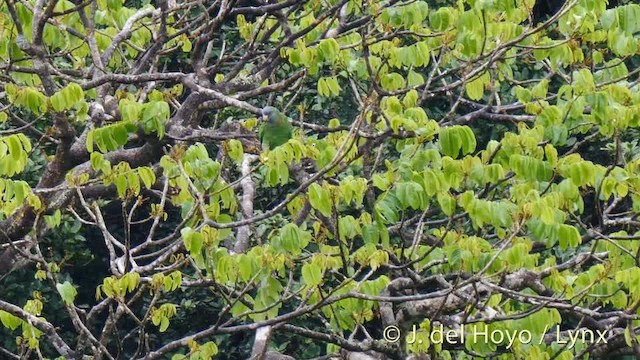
462 180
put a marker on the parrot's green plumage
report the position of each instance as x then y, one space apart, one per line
275 129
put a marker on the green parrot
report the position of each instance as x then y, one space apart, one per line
275 129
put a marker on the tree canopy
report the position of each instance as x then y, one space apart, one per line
463 179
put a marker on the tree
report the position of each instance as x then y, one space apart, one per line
462 181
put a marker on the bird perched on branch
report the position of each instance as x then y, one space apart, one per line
276 128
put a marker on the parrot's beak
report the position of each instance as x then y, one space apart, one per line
265 118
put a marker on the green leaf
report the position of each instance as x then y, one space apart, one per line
311 274
235 150
9 321
90 140
164 324
540 90
475 87
15 148
246 267
130 110
456 138
568 236
293 239
133 183
57 102
110 137
154 116
468 140
583 82
328 86
67 291
392 82
320 199
329 49
523 94
193 241
440 19
410 194
450 142
147 176
414 79
121 185
380 182
447 203
53 221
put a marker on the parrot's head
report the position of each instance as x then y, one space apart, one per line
269 114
